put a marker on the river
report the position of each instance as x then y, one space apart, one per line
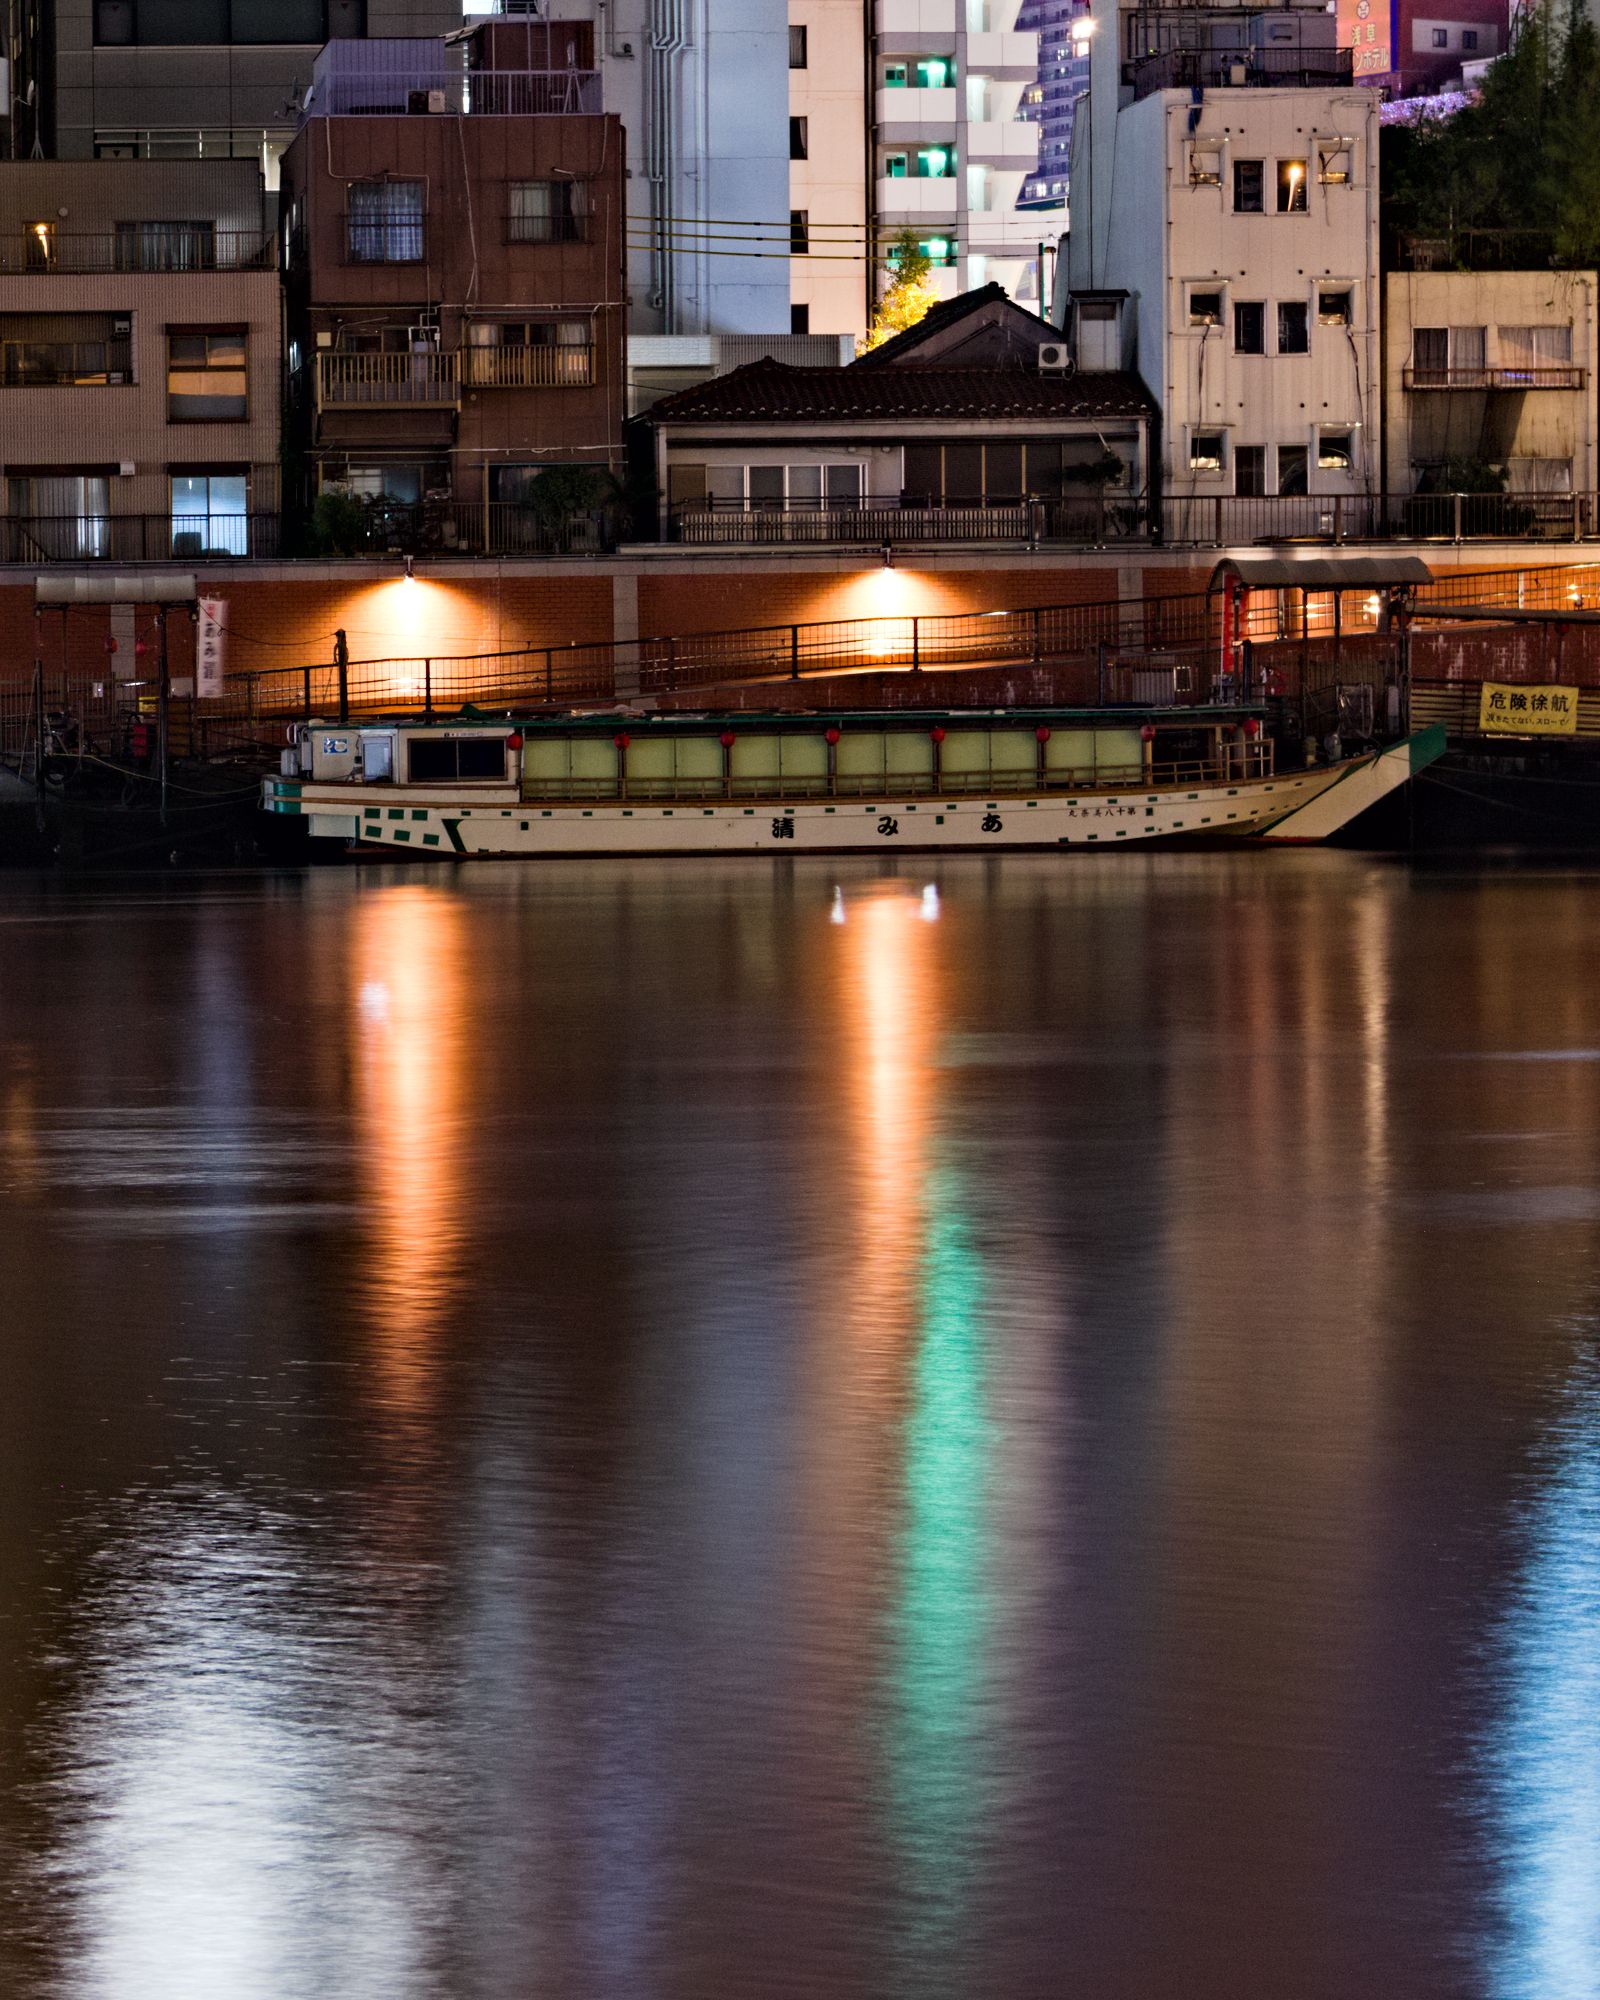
657 1430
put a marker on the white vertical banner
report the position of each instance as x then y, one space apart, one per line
208 647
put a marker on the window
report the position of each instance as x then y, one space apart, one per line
894 166
1292 468
39 246
210 513
1291 187
180 23
1249 187
1333 308
553 211
1249 327
1333 163
798 139
1294 331
206 377
1526 352
65 350
797 48
401 484
935 163
1444 357
1469 38
933 73
1205 163
431 758
799 319
67 513
1205 451
799 232
529 354
1205 308
383 222
1335 451
1539 475
895 75
1250 470
166 246
1441 38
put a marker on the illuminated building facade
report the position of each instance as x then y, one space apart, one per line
454 260
1063 78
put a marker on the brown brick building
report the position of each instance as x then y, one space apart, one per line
454 244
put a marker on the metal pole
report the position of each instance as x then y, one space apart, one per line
163 705
341 660
427 689
38 726
794 652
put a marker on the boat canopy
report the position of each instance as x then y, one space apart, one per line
1321 572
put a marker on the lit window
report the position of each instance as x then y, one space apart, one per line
40 245
1205 164
1205 451
1333 164
1333 308
210 513
1205 308
1335 451
206 378
1291 187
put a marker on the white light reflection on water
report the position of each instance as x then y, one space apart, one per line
1544 1765
236 1831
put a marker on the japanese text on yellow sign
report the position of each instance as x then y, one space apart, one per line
1527 711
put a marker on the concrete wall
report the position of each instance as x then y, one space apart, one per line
830 185
1497 425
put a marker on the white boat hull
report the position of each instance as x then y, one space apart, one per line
493 821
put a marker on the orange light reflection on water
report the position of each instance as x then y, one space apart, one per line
408 994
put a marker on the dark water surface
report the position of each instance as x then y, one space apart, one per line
1022 1428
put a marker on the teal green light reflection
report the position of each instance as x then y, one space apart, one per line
942 1613
1546 1765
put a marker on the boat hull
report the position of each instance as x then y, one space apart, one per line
494 822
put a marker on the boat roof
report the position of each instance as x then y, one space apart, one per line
1321 572
610 719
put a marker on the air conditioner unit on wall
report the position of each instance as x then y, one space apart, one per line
1055 358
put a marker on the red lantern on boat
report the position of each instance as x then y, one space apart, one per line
830 737
111 645
728 739
621 739
937 733
1147 733
514 741
1042 733
1252 727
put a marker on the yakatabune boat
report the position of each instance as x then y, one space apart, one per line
786 783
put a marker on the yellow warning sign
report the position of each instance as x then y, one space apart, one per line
1527 711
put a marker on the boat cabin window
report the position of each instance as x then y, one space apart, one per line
431 758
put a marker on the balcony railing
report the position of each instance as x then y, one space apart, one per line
544 367
1562 376
155 247
127 538
1090 518
424 378
1223 69
369 89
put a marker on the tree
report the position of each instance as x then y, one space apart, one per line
1520 161
908 294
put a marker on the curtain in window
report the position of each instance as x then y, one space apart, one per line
66 515
385 222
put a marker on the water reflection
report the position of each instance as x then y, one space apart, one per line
1544 1761
408 1004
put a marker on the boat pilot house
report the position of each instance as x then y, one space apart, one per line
973 424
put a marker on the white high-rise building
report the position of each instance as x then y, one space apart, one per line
829 167
951 144
1225 221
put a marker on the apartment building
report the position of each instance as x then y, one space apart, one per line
454 272
1225 182
953 142
1489 380
832 281
1063 76
140 364
185 79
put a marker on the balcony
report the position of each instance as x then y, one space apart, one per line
545 367
1011 144
1089 519
134 538
917 198
1238 69
411 77
423 379
907 115
1565 376
44 250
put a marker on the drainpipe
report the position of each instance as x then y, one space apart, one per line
668 39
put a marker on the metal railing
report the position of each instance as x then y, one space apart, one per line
127 538
550 366
1091 519
45 249
424 376
1221 69
373 89
1563 376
